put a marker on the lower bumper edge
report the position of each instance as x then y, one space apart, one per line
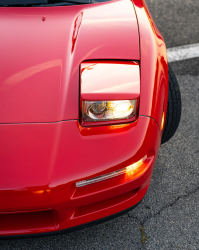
69 230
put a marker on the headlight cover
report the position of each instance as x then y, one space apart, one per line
94 111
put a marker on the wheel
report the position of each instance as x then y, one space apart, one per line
173 108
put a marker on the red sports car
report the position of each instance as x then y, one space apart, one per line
86 98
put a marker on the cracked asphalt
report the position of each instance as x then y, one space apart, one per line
169 213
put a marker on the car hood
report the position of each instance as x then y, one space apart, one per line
41 51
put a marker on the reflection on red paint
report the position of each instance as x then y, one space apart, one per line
90 67
77 24
110 80
153 64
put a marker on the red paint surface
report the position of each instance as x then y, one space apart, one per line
153 64
110 80
39 78
40 164
42 158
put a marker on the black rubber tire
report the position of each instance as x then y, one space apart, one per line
173 108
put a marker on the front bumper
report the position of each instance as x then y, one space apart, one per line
40 164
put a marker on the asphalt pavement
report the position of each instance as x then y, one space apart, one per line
168 216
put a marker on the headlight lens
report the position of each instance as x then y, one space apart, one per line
108 110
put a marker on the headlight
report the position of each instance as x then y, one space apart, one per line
108 110
109 92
